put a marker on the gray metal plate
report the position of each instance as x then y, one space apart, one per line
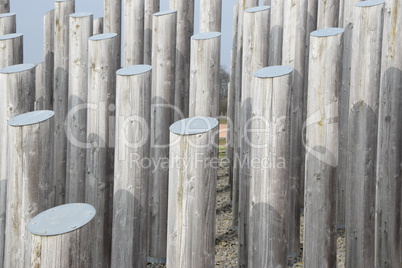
62 219
207 35
256 9
104 36
327 32
165 12
81 14
194 125
370 3
30 118
17 68
273 71
133 70
10 36
3 15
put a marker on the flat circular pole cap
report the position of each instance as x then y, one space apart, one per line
103 36
30 118
273 71
134 70
194 125
62 219
325 32
17 68
370 3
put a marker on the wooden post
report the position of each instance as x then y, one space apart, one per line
269 174
98 26
204 74
112 10
102 66
151 7
388 195
192 193
76 122
276 32
255 56
163 73
11 50
133 32
8 23
363 128
184 30
4 6
130 199
210 16
293 54
56 236
328 14
30 176
322 147
62 11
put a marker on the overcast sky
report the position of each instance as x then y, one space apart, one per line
30 23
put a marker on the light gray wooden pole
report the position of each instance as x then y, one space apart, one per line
76 122
133 32
62 11
322 147
276 32
328 14
184 30
269 174
151 7
8 23
210 16
29 189
204 74
4 6
98 26
192 193
11 49
163 85
56 236
112 21
130 199
102 66
255 56
362 136
293 54
389 159
17 85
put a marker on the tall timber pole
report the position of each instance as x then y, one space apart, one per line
112 21
133 39
4 6
98 26
151 7
8 23
276 32
210 15
11 49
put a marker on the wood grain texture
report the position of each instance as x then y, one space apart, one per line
98 26
210 16
4 6
8 23
133 32
11 50
151 7
328 14
276 32
112 21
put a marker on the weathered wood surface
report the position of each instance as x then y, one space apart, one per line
319 248
362 134
276 32
102 67
30 188
4 6
133 32
98 26
192 193
112 22
162 100
328 14
389 159
204 74
270 171
151 7
131 178
210 16
81 25
11 49
255 56
8 23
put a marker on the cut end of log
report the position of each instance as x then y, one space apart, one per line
208 35
134 70
4 15
30 118
10 36
327 32
370 3
17 68
273 71
256 9
81 14
194 125
104 36
165 12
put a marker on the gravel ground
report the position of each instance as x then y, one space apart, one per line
226 239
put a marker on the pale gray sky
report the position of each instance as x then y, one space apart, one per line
30 23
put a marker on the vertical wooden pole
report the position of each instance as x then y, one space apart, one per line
76 122
112 22
363 129
293 54
322 147
192 193
184 30
29 188
11 49
133 32
204 74
269 174
130 199
8 23
102 66
328 14
210 16
255 56
98 26
4 6
56 236
163 84
276 32
62 11
151 7
389 159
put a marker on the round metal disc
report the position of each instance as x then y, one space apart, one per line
10 36
273 71
102 36
133 70
165 12
257 9
3 15
207 35
327 32
81 14
30 118
370 3
17 68
62 219
194 125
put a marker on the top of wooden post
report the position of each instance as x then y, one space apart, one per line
62 219
165 12
17 68
325 32
103 36
10 36
194 125
370 3
30 118
257 9
207 35
3 15
81 14
273 71
134 70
